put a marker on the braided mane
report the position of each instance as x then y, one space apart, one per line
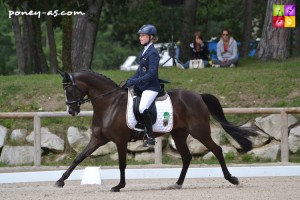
98 75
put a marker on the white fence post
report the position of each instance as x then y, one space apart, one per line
284 137
37 140
158 151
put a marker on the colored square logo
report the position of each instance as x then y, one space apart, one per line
290 10
278 22
290 21
278 10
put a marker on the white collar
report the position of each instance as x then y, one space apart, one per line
146 47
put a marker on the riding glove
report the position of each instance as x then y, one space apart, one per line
131 82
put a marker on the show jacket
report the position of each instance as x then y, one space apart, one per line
147 72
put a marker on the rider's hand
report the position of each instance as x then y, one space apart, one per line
131 82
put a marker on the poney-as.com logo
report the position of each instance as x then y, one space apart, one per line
284 16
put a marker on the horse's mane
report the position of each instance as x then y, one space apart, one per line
98 75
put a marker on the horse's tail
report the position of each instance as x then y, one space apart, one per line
240 134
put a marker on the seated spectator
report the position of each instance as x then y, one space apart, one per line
198 50
226 51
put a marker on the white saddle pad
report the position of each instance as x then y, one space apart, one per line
164 108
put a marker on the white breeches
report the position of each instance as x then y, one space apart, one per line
148 96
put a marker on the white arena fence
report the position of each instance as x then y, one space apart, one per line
158 147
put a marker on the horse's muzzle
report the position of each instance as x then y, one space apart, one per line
73 109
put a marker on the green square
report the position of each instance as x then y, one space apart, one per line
278 10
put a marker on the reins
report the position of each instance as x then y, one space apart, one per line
96 97
84 100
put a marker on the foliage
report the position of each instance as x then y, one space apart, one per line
119 22
8 59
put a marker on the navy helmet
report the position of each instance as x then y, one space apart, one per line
148 29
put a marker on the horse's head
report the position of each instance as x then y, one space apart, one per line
74 95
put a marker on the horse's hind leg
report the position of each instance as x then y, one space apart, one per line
180 137
89 149
206 140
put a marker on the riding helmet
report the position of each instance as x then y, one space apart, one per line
148 29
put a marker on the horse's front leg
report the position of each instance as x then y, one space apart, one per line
93 144
122 152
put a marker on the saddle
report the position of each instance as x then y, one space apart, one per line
162 95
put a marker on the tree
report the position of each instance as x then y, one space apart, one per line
66 26
190 9
275 42
84 35
247 27
30 55
19 45
51 40
297 31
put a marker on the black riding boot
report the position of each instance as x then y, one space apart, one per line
148 124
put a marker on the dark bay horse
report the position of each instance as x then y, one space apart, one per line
191 116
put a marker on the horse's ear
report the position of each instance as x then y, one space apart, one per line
63 74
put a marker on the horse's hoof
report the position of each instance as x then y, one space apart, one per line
234 180
115 189
59 184
173 187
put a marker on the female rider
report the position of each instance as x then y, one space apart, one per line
146 76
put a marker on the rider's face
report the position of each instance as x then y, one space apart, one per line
144 38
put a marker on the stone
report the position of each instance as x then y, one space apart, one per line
138 147
108 148
269 151
272 124
225 149
196 147
260 139
78 139
18 135
145 156
48 140
17 155
294 139
3 135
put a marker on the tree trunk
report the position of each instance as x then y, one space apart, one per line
297 31
247 27
186 35
32 45
297 46
19 45
84 35
275 42
41 65
28 40
67 38
51 41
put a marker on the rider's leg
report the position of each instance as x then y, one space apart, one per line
147 98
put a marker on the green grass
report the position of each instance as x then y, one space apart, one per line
252 84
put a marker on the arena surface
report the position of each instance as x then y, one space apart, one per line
267 188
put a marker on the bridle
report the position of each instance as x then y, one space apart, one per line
79 101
